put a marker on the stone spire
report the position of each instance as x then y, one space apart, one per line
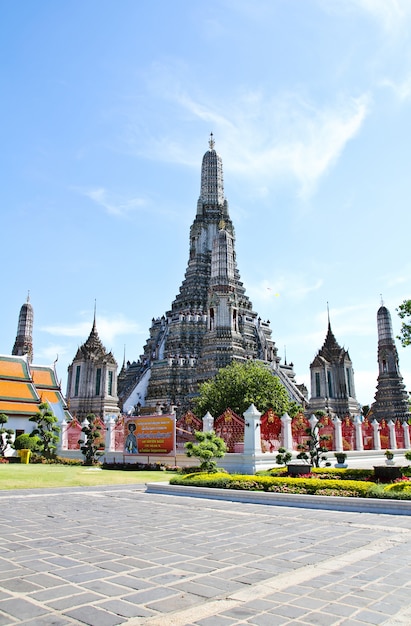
391 398
212 180
24 338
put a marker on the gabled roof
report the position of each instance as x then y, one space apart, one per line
23 387
331 351
93 348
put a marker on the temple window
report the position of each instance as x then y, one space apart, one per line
98 381
317 385
77 381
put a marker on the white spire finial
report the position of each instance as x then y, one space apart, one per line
211 141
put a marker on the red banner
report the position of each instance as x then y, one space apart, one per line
150 435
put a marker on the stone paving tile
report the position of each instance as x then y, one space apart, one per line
316 618
19 585
130 583
21 609
205 591
47 620
125 609
175 603
74 600
267 619
371 617
6 620
216 620
94 616
53 593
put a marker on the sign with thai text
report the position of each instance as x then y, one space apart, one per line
150 435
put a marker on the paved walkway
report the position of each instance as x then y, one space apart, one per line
117 555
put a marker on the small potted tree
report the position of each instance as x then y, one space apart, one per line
341 458
389 457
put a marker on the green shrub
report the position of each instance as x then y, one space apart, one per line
26 442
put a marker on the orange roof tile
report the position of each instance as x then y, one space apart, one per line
43 376
14 368
19 390
23 408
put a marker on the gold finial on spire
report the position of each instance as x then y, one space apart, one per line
211 141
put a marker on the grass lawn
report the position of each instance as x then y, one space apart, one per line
16 476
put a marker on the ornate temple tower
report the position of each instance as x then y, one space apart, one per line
24 338
211 321
92 380
332 380
391 398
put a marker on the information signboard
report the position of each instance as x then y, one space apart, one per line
150 435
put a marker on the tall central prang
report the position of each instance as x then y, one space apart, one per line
211 322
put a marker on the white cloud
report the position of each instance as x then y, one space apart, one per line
108 328
119 207
402 89
263 138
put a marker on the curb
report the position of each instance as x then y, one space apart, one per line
302 501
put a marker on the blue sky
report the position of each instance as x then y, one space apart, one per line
106 111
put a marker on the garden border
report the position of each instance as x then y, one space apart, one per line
328 503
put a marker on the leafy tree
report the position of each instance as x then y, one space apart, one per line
47 430
93 446
239 385
404 312
26 442
313 450
207 448
6 434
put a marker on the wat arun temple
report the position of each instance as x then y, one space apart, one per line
211 321
210 324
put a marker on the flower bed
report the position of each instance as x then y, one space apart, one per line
311 485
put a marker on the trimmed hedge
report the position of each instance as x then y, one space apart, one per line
311 486
325 472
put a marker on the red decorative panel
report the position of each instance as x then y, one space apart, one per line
102 437
384 435
348 433
367 434
399 434
230 427
299 427
119 434
270 431
186 427
73 435
326 430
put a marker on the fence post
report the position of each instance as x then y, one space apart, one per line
393 436
377 438
252 431
208 423
287 435
338 442
359 443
